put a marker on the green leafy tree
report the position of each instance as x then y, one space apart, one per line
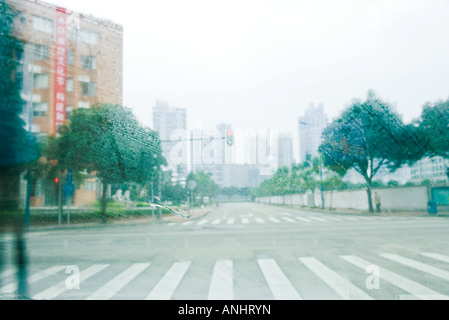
205 185
17 147
108 140
368 135
433 130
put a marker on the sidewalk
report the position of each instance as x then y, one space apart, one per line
195 213
384 213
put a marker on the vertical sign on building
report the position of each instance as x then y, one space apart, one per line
60 69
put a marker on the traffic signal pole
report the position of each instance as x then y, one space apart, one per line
59 201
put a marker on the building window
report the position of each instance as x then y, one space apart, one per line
70 57
89 62
41 81
40 109
43 24
41 52
87 36
88 89
68 111
69 85
83 105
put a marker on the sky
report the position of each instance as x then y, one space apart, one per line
258 64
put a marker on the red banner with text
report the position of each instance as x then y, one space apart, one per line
60 70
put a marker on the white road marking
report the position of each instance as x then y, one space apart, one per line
341 286
111 288
278 282
405 284
33 278
436 256
221 286
165 288
202 222
61 287
440 273
317 219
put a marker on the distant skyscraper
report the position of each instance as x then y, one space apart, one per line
285 153
310 127
171 124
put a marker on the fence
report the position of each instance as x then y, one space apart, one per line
407 198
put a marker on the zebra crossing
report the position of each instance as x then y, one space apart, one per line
368 276
287 218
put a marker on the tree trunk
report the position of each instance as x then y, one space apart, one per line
9 189
370 199
104 203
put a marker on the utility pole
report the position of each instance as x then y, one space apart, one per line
159 209
29 67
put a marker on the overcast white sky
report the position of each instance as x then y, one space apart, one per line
259 63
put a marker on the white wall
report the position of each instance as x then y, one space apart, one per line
412 198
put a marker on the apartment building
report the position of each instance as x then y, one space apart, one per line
70 61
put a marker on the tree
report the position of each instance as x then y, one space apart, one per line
368 135
205 185
108 140
433 128
17 146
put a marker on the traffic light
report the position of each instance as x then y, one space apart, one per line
229 137
56 180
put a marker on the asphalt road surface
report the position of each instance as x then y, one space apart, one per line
241 251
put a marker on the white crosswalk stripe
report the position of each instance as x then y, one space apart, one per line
33 278
285 217
61 287
278 282
7 273
436 256
418 265
221 286
414 288
279 279
317 219
340 285
165 288
204 221
115 285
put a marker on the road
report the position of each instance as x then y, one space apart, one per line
242 251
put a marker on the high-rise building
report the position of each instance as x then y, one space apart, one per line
70 60
285 153
311 126
171 124
253 156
